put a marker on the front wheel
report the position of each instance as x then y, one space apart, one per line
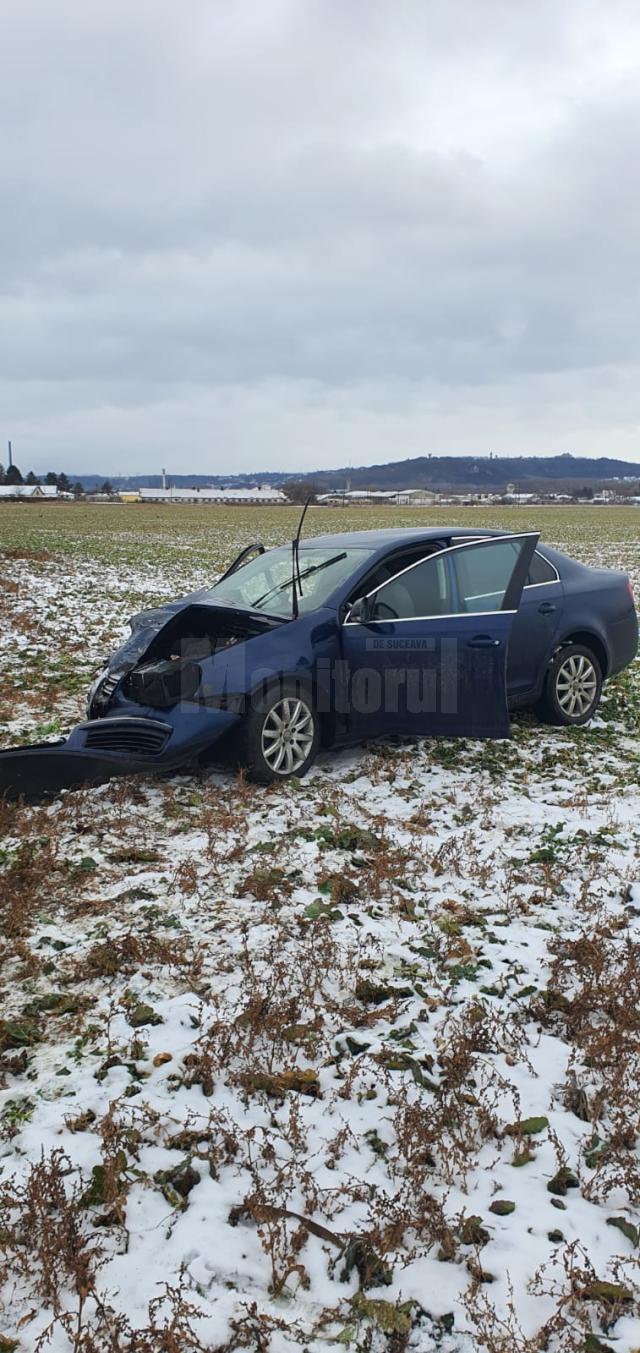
573 686
281 736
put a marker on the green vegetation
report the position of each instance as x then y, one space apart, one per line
381 1024
145 534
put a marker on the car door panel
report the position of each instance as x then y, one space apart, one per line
532 642
442 673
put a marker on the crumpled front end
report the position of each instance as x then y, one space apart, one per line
152 709
163 701
172 654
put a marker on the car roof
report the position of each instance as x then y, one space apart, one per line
390 536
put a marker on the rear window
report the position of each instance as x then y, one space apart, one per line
483 573
540 571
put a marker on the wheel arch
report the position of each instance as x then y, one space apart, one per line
307 683
589 639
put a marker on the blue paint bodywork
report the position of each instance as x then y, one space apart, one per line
324 655
592 602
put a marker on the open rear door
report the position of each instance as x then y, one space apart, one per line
429 654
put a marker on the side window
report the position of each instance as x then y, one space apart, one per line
391 566
421 591
540 571
483 574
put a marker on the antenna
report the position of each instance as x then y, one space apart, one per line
296 579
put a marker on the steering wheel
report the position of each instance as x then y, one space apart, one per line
383 606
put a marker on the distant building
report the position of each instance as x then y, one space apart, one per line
28 491
417 497
470 499
351 496
261 494
393 497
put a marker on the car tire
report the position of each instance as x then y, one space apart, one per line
573 686
280 734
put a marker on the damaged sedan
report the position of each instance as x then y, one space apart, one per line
332 640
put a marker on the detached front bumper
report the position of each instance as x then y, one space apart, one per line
101 749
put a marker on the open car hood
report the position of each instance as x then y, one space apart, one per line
130 729
167 631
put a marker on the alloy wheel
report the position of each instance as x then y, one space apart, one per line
576 685
287 735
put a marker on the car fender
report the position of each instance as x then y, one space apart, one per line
299 650
590 635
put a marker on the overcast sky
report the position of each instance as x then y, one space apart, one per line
280 234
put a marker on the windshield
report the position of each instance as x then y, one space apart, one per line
266 583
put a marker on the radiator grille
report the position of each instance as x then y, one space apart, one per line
131 737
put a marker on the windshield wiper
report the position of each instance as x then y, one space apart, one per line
313 568
240 559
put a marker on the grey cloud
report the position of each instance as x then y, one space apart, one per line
367 230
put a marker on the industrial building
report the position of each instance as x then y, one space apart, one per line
261 494
28 491
393 497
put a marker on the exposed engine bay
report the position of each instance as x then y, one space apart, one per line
170 670
162 683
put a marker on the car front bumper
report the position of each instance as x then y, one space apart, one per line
100 749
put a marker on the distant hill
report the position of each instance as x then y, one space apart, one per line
433 472
480 472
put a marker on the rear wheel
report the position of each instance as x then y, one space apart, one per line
280 737
573 686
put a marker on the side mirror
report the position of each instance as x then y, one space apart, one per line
360 611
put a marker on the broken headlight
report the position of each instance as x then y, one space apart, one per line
101 691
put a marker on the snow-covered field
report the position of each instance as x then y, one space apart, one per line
352 1062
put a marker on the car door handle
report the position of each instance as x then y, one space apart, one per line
483 641
547 608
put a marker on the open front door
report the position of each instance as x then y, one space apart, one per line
426 653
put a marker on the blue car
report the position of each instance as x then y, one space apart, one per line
344 637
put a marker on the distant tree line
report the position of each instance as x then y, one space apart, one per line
300 490
13 475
